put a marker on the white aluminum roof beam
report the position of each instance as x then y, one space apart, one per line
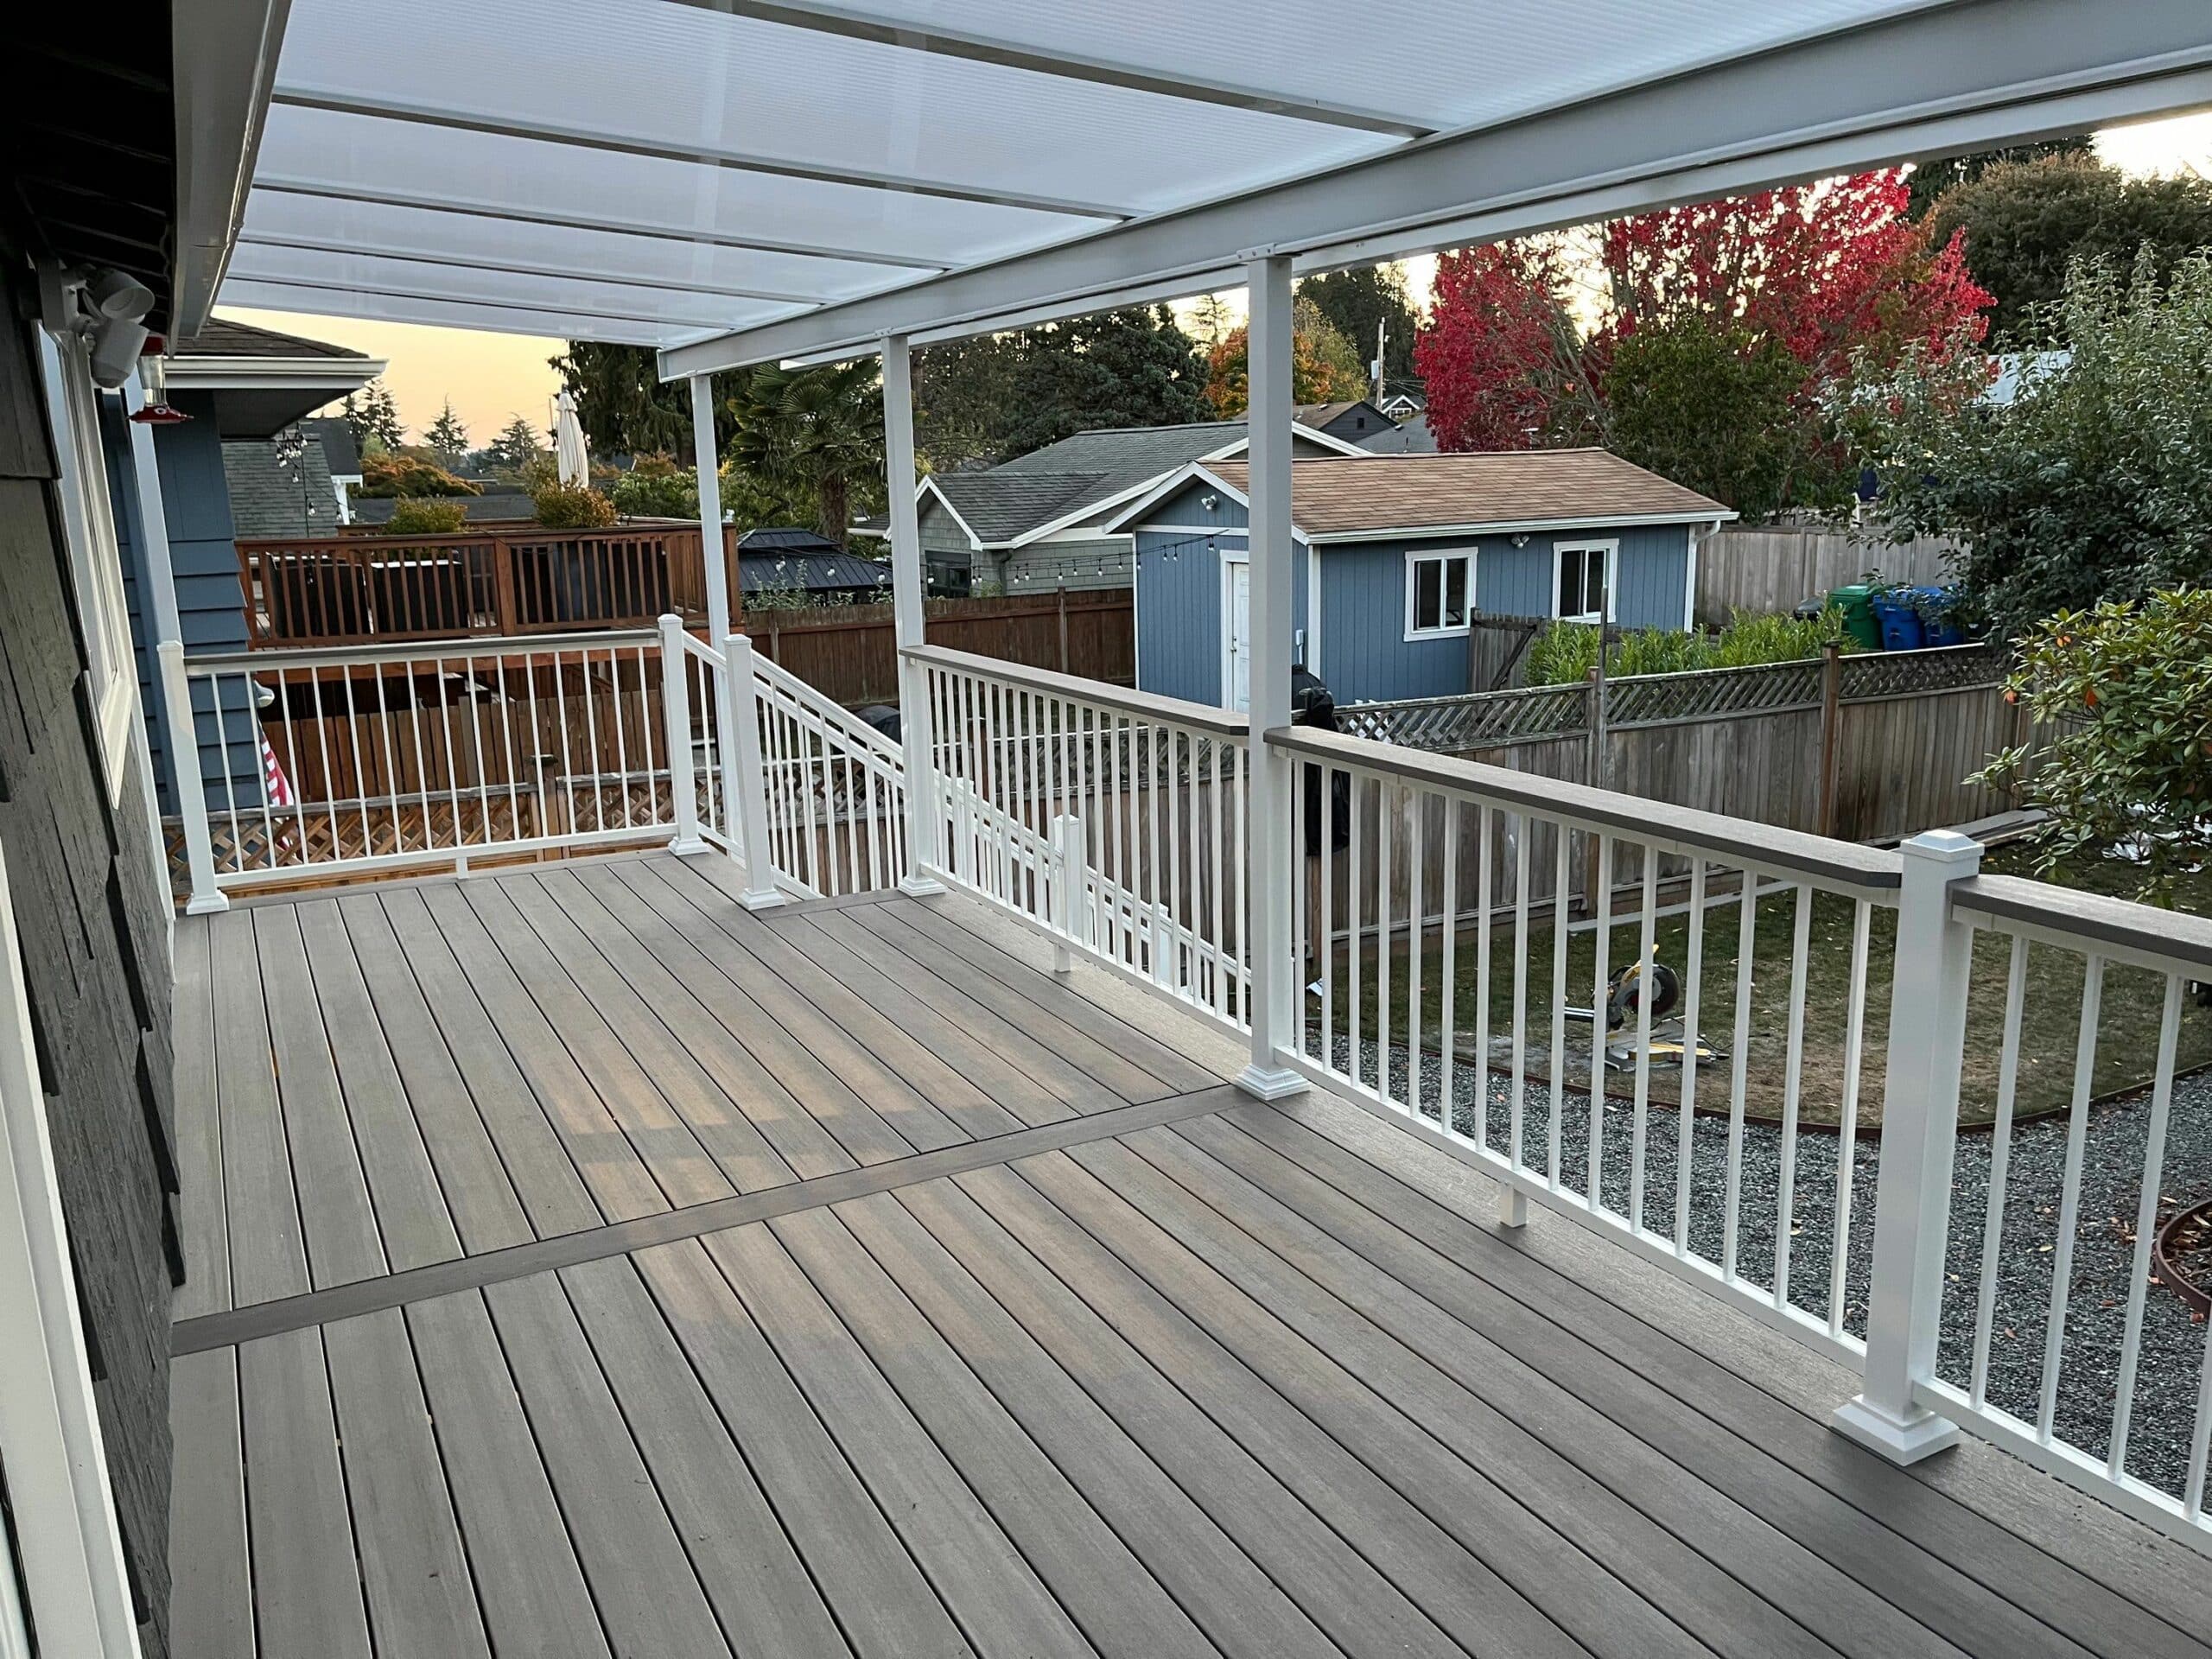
281 220
687 82
452 314
1935 80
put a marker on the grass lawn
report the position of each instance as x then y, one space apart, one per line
2127 1037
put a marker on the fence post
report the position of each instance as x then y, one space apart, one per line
1920 1116
745 779
1067 880
191 791
1824 813
1060 592
676 713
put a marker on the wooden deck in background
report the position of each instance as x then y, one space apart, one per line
601 1269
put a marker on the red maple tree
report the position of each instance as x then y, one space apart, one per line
1820 270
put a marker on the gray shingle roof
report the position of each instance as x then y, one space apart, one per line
1003 502
224 338
338 449
267 499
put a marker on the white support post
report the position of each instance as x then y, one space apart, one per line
675 716
1067 845
747 780
915 733
1920 1118
1273 867
714 559
191 792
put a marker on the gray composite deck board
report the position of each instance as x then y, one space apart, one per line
890 1069
1191 1375
479 1193
812 1117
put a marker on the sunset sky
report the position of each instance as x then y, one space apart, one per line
493 378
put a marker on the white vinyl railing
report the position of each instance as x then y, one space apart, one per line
1460 923
836 789
1112 819
290 764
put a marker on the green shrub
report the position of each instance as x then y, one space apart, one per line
1565 652
404 475
413 516
1562 652
563 506
1751 641
1658 651
655 488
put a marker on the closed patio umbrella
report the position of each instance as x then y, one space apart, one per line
568 454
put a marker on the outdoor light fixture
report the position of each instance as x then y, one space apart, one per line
1209 502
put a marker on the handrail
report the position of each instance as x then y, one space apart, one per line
1840 863
829 712
2168 938
1173 711
476 645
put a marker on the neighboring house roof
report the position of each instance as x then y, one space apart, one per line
813 573
1080 477
338 449
1354 421
1340 500
786 539
1410 437
224 338
376 509
270 500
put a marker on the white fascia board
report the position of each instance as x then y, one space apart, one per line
269 373
1131 521
1524 526
1921 81
1297 430
975 543
223 70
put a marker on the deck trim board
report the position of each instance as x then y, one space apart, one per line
814 1119
266 1246
1452 1261
796 999
479 1193
203 1223
1722 1573
250 1322
1338 1587
1460 1546
884 1606
211 1592
1110 1595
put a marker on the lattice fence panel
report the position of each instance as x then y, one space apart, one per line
1873 674
1712 693
1448 725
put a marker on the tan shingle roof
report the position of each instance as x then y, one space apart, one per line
1334 498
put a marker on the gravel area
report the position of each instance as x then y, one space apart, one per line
2173 1346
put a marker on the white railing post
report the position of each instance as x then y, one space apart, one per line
745 778
1920 1114
1273 870
676 711
1066 881
185 779
907 627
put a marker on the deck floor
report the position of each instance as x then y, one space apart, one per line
601 1269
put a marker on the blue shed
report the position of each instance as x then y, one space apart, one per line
1394 555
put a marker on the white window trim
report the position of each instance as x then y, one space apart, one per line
1416 557
95 558
1612 550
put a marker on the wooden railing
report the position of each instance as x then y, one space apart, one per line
343 590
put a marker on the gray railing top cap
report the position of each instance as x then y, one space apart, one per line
471 645
1840 863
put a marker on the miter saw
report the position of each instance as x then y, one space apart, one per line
1667 1043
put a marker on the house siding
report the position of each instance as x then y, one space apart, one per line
211 607
1042 567
91 908
946 553
1179 599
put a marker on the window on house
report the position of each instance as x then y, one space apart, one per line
1584 583
1439 587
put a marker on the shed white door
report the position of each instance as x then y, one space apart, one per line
1240 636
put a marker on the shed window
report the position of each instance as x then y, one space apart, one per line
1437 589
1585 592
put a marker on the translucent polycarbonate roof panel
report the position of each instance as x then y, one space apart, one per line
694 80
426 234
1438 64
449 314
351 155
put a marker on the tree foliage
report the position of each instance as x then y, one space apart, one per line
1354 301
2094 483
2126 687
373 418
515 448
623 406
447 437
2022 223
987 399
811 441
407 473
656 487
1324 366
1929 179
1792 283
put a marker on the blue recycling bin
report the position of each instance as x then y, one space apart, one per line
1937 608
1899 622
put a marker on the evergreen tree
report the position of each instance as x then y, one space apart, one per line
809 444
373 418
447 437
627 407
515 448
1930 179
1356 302
1131 367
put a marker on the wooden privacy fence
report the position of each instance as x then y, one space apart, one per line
850 654
1774 568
